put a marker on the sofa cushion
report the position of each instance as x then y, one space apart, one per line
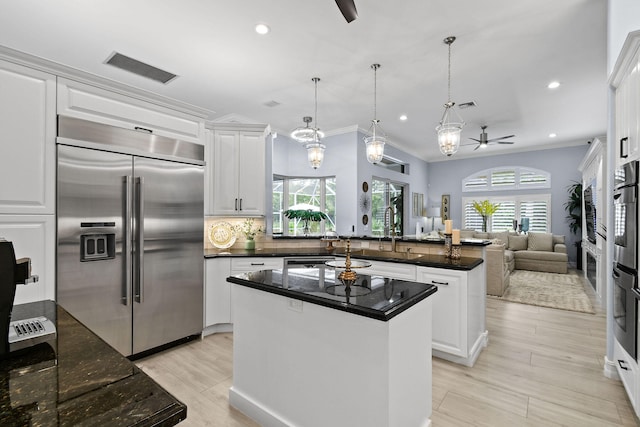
541 256
501 235
558 239
518 243
467 234
482 235
540 241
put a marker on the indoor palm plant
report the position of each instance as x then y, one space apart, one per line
574 208
486 209
250 231
305 215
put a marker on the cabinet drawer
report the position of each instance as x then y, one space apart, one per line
627 369
241 265
391 269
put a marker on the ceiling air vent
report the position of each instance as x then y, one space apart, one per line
140 68
271 104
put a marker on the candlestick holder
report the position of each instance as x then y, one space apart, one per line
447 245
456 251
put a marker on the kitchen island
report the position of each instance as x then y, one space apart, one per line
308 352
75 379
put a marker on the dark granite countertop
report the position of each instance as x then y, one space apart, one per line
424 260
371 296
76 379
406 239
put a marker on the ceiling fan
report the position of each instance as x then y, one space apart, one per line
484 141
348 9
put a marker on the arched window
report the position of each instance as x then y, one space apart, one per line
506 178
513 206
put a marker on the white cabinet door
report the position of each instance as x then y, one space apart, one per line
252 173
449 309
217 308
225 173
627 103
27 145
33 236
93 103
237 173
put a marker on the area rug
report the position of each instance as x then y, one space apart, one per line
562 291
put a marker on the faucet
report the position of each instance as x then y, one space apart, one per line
392 228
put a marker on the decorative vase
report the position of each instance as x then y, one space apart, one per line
484 223
250 244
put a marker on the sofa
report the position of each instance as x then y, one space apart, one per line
510 251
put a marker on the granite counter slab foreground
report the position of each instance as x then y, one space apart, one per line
76 379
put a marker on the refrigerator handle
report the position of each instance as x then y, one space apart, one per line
139 291
126 244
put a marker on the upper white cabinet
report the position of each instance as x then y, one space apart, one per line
27 145
237 173
625 78
92 103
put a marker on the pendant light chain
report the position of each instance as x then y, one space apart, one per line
315 117
449 75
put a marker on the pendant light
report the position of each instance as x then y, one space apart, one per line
315 150
449 129
306 134
375 142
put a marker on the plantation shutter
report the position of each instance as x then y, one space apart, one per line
503 218
538 213
472 219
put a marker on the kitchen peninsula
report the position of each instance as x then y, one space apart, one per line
75 378
307 352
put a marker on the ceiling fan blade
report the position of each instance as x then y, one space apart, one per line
473 139
502 137
348 9
478 146
505 142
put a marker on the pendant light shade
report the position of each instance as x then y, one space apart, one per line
306 134
375 142
451 123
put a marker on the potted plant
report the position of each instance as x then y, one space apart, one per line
574 208
486 209
305 215
247 228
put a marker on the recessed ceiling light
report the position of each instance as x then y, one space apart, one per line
262 29
553 85
552 135
403 117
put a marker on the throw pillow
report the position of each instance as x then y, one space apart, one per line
481 235
502 235
540 241
518 243
558 239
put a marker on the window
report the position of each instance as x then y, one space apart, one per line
535 207
509 178
385 193
303 193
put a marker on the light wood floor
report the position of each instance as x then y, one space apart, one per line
543 367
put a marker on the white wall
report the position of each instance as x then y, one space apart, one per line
623 18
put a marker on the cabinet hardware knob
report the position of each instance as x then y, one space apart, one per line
141 129
433 282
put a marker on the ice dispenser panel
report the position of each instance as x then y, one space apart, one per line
96 247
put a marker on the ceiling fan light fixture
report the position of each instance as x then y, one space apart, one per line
450 128
375 142
306 134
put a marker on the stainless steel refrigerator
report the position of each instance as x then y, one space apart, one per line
130 234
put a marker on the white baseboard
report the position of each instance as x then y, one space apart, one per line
254 410
610 370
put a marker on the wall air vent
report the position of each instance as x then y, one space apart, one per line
271 104
140 68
